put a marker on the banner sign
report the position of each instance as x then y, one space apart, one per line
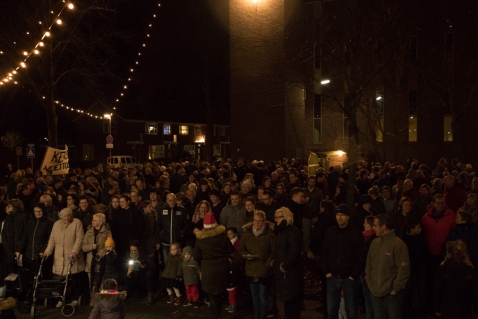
55 161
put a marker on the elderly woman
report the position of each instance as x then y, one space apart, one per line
35 238
287 265
211 252
94 247
66 239
12 231
258 246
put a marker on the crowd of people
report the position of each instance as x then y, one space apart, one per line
402 244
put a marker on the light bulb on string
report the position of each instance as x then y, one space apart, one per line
41 44
25 53
36 52
23 64
47 34
71 6
59 22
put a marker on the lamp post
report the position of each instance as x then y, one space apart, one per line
108 116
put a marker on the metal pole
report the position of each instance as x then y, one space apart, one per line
31 159
110 131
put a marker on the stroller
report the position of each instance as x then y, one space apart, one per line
55 289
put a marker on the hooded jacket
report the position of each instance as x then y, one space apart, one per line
388 265
263 246
108 306
233 216
88 242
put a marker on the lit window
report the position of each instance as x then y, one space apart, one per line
88 152
156 152
378 117
167 129
183 130
151 128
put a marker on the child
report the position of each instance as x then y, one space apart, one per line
235 270
109 303
191 277
109 269
172 274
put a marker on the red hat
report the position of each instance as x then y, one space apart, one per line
209 221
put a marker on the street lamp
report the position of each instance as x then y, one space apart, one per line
108 116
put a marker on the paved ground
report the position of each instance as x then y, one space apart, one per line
136 309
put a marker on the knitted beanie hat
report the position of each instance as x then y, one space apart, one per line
109 242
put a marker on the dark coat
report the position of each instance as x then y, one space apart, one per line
35 239
211 252
173 268
171 224
190 271
455 290
343 252
296 210
108 306
126 226
467 233
12 233
287 263
263 246
84 216
324 221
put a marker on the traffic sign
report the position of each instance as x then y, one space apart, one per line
18 151
30 150
109 139
109 145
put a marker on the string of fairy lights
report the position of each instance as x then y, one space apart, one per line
9 78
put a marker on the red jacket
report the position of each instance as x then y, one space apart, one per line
436 231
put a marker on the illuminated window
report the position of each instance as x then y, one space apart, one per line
378 118
183 130
447 132
151 128
317 138
155 151
217 150
88 152
166 129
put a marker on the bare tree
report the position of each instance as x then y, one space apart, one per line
11 139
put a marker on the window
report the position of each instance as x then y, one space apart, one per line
197 131
191 149
317 139
379 122
413 48
183 130
151 128
222 130
155 151
412 115
217 150
106 127
317 56
166 129
88 152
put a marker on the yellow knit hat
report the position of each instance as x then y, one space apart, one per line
110 242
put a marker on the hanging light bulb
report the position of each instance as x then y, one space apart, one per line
36 52
41 44
47 34
59 22
23 65
25 53
71 6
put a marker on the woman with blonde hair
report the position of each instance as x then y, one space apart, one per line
287 265
456 283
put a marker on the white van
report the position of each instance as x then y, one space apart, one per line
125 161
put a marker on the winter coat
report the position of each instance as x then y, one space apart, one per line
65 240
263 246
400 221
467 233
455 290
173 268
109 266
108 306
416 250
88 242
211 252
12 233
126 226
324 221
296 210
388 265
311 208
455 197
150 238
287 263
35 239
6 308
343 252
190 271
171 224
233 216
436 230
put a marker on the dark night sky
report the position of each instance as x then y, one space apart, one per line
167 83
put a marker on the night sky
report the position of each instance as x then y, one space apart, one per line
188 46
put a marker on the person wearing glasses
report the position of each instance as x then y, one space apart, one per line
287 262
436 224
